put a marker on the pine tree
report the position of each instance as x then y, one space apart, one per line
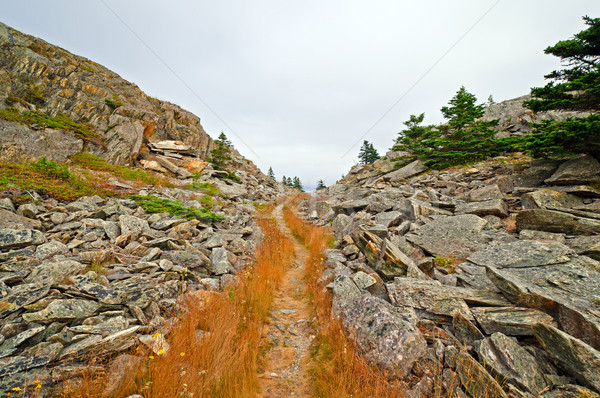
284 180
368 153
410 138
270 173
321 185
297 184
221 152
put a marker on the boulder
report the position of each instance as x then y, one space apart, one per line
493 207
55 272
550 278
63 310
511 363
556 221
475 379
583 169
489 192
16 238
577 358
544 198
386 335
405 172
453 236
437 300
512 321
219 258
388 218
133 224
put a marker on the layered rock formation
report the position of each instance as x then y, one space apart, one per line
486 277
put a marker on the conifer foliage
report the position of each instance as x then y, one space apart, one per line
321 185
221 151
368 153
271 174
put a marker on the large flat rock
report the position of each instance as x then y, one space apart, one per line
550 278
557 221
512 321
453 236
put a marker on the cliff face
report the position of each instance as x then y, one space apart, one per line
37 76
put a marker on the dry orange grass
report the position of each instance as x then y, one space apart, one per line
337 369
215 346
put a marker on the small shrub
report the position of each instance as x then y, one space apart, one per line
154 204
51 168
115 102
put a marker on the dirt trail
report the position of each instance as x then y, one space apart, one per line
288 331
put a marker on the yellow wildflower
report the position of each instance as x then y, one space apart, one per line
38 386
156 334
151 357
16 389
161 351
37 381
182 354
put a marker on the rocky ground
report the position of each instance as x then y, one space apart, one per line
94 277
473 281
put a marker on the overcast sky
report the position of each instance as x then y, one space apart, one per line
297 84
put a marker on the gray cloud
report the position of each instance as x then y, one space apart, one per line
302 81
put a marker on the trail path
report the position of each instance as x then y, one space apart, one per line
288 330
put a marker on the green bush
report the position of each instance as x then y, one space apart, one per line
154 204
51 168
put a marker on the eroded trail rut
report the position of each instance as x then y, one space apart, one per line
287 334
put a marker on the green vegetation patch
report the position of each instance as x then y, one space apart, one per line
47 178
203 187
115 102
154 204
59 122
92 162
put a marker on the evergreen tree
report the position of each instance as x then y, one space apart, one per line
321 185
576 87
573 88
270 173
288 182
463 139
284 180
297 184
221 152
368 153
410 138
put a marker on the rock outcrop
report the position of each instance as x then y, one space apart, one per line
496 262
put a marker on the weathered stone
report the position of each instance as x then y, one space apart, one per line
386 335
55 272
10 220
465 330
569 391
475 379
388 219
579 170
219 259
21 296
137 290
542 236
341 225
392 262
12 365
405 172
63 310
556 221
512 321
133 224
96 345
474 277
577 358
434 298
566 287
489 192
493 207
51 249
363 280
10 345
216 240
544 198
522 254
511 363
454 236
14 238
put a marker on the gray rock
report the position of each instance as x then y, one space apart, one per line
580 170
7 204
388 219
568 291
10 220
544 198
55 272
465 330
475 379
556 221
405 172
9 346
579 359
511 363
569 391
133 224
12 365
219 258
51 249
341 225
542 236
585 245
489 192
454 236
363 280
63 310
216 240
512 321
522 254
434 298
20 296
14 239
493 207
137 290
386 335
187 259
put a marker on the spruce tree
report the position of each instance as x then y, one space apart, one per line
297 184
284 180
221 152
368 153
270 173
321 185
